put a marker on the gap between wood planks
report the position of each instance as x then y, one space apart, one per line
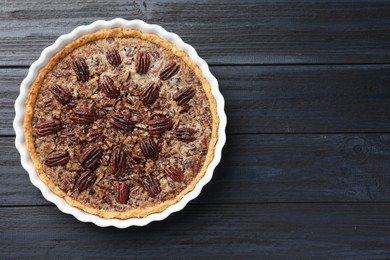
252 64
280 133
49 204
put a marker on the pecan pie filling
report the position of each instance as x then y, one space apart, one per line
121 123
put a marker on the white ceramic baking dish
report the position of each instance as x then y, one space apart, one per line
45 57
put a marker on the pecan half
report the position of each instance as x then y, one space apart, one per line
121 121
169 71
137 156
81 69
142 63
182 96
149 148
160 125
49 127
83 115
203 146
57 158
62 94
93 134
107 85
121 192
85 180
174 173
150 93
113 57
185 134
118 161
90 158
195 166
151 185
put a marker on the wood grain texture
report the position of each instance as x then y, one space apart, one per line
279 99
223 32
281 231
264 168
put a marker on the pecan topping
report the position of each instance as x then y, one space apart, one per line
113 57
160 125
182 96
93 134
137 156
142 63
62 94
107 85
90 157
151 185
121 121
118 161
85 180
49 127
121 192
203 149
83 115
169 71
195 166
185 134
81 69
150 92
174 173
149 148
57 158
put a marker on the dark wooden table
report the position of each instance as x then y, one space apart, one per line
305 172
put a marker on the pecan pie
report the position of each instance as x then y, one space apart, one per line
121 123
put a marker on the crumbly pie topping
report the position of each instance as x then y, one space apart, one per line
121 123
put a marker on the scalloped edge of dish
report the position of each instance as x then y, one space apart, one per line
47 53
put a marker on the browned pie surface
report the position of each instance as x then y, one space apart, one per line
121 123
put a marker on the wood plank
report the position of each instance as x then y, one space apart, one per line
306 99
251 231
279 99
10 80
239 32
264 168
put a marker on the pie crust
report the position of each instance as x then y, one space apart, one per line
67 50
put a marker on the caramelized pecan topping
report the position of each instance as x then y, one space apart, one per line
142 63
149 148
137 156
169 71
93 134
81 69
195 166
49 127
113 57
174 173
151 185
90 158
150 92
121 192
121 121
185 134
203 146
85 180
62 94
118 161
182 96
108 87
160 125
83 115
57 158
